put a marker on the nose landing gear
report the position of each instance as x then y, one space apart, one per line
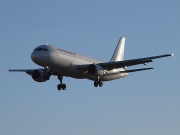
61 85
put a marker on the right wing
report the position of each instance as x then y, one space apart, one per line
30 71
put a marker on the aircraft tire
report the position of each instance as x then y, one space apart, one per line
100 83
95 84
59 86
64 86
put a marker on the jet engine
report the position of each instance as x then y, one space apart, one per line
39 76
95 70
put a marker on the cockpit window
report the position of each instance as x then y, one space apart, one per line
45 49
41 49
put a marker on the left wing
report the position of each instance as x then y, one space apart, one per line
124 64
127 63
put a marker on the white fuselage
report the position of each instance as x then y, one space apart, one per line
66 63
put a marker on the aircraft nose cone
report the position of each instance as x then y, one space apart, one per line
33 56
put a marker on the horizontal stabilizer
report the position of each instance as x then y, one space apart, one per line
135 70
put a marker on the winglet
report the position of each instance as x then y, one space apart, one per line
172 55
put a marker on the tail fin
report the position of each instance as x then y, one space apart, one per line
119 52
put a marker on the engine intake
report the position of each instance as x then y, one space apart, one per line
39 76
95 70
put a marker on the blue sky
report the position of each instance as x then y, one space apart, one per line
143 103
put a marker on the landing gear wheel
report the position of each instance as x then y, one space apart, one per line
100 83
95 84
59 87
64 86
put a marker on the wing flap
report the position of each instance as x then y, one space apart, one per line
135 70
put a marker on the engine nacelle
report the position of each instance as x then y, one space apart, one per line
95 70
39 76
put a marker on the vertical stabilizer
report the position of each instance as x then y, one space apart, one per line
119 52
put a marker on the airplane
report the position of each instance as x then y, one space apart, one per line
60 62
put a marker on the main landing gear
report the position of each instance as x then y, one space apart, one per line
98 82
61 85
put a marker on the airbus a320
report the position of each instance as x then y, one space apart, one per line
60 62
